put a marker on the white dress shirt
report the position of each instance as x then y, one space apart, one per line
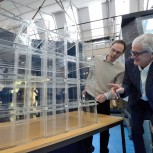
143 76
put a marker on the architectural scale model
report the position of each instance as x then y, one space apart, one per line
42 75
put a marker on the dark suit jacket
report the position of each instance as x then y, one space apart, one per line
131 83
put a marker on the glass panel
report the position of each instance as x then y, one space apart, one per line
73 117
72 93
55 121
88 116
35 126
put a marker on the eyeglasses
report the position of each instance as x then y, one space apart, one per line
116 51
137 53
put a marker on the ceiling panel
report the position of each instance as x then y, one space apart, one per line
35 9
48 6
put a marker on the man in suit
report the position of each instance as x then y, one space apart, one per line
138 85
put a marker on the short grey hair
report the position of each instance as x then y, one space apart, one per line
145 41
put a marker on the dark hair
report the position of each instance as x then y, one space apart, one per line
120 42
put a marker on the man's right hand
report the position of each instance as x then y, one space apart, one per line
116 88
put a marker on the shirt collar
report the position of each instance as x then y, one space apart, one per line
146 69
105 59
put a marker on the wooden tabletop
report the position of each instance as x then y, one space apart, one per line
61 140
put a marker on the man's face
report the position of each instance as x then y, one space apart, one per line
116 50
140 56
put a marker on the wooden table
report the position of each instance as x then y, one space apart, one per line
52 143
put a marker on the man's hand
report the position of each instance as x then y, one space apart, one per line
101 98
116 89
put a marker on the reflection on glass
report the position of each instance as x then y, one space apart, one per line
147 26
